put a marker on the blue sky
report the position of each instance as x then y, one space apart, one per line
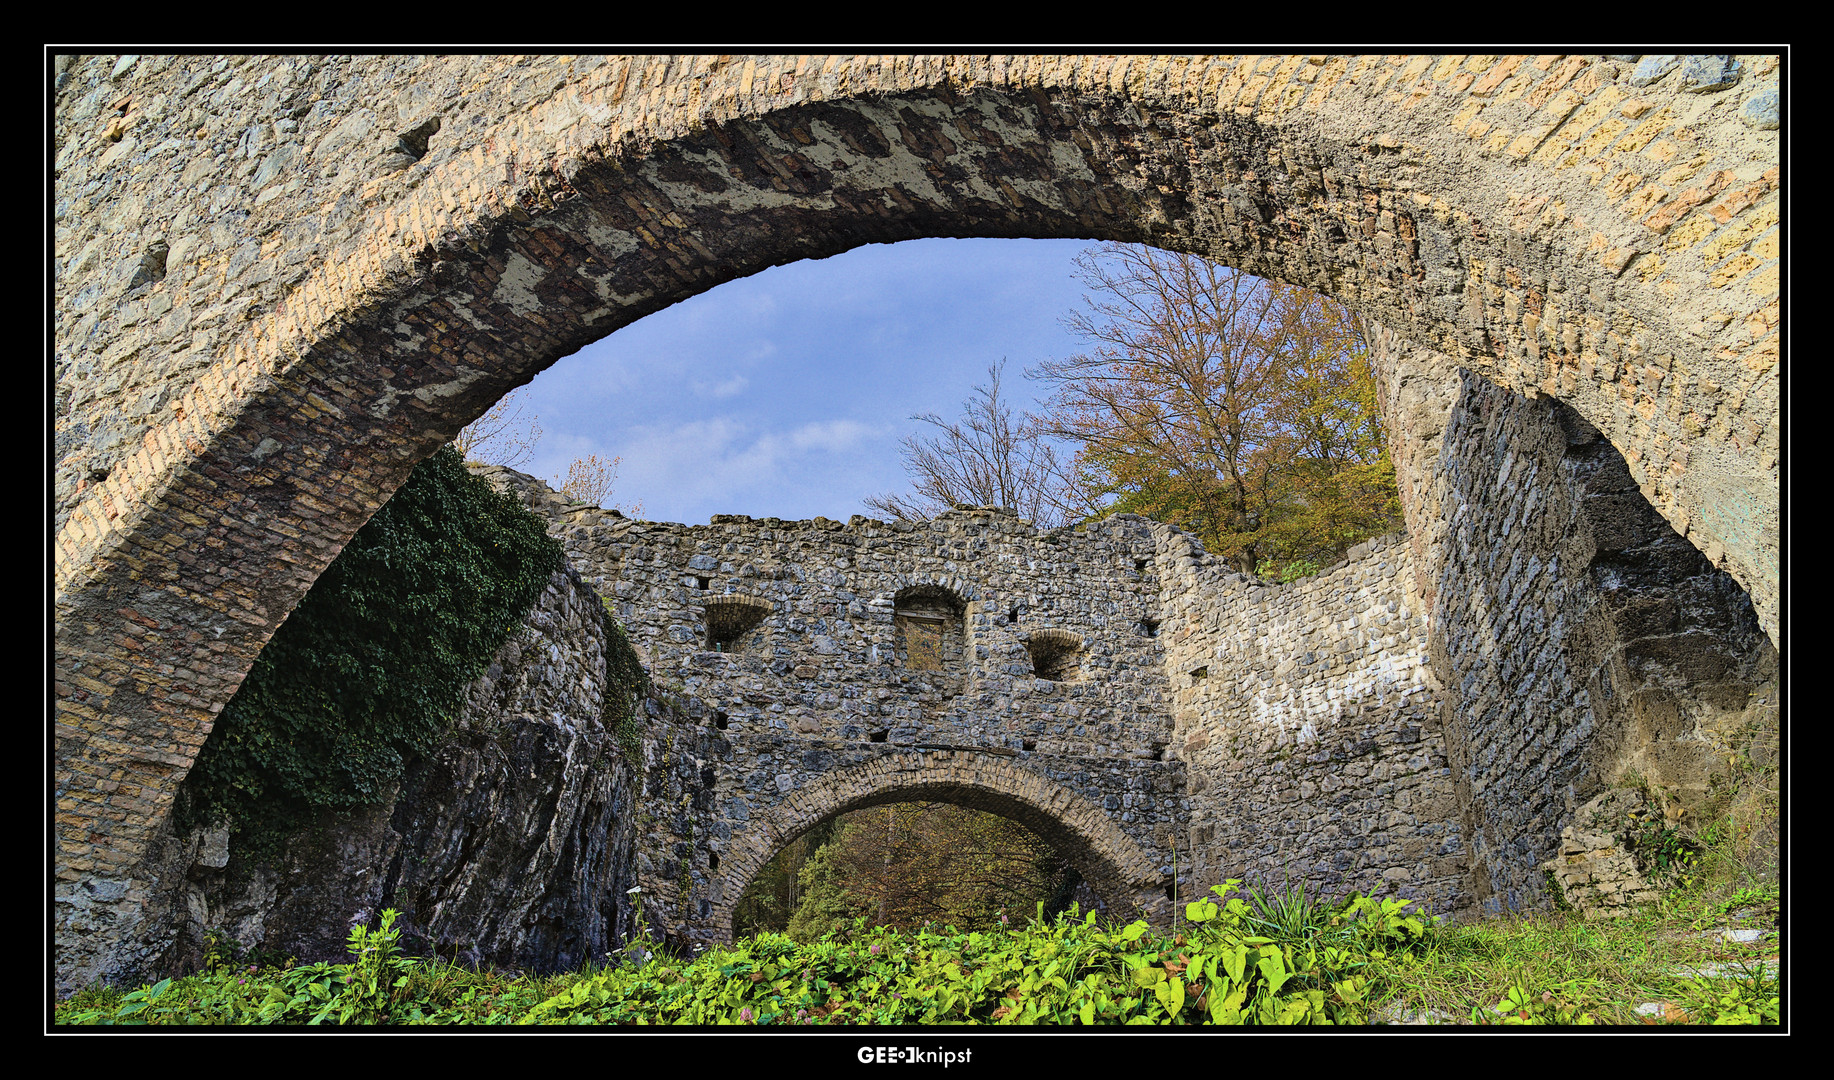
785 394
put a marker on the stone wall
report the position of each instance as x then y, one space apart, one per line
821 702
512 846
1310 723
1310 749
278 285
1579 641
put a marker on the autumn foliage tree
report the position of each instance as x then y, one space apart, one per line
1239 409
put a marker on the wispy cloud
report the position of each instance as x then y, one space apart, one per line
725 388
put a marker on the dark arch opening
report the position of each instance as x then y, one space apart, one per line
1110 865
910 863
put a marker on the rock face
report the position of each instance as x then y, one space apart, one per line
511 847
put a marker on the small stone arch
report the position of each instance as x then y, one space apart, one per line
729 618
1122 873
1056 654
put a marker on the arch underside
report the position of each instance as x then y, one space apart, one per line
1125 875
426 294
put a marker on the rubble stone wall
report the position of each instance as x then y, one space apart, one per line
1310 722
1581 641
280 281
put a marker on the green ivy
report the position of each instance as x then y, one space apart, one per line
626 682
369 672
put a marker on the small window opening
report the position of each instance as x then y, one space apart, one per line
1139 566
1056 655
927 628
1013 615
720 720
702 583
1199 673
1149 627
1030 744
729 618
923 641
877 736
713 860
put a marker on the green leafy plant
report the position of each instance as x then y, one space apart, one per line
1522 1007
1288 913
1225 967
1751 995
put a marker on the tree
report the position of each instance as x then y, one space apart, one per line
501 436
591 479
1239 409
907 863
988 457
504 436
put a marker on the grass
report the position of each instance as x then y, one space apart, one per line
1556 968
1570 969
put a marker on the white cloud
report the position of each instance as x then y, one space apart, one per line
833 436
725 388
722 465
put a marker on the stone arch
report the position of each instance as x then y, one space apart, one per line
729 617
1056 654
954 592
1123 874
203 486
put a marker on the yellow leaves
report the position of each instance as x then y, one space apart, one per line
1223 404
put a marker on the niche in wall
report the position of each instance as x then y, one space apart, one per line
1056 654
729 618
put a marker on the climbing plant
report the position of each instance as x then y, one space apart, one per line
370 670
626 682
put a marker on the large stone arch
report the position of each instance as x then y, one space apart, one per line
1123 874
261 327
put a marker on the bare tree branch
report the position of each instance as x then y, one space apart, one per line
987 457
502 436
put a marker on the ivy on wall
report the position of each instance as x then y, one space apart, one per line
626 683
370 670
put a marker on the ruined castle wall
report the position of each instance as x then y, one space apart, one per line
275 290
827 657
823 699
1580 640
1309 721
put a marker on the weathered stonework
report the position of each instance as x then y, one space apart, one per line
1312 726
1578 641
278 284
1594 868
511 846
824 704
